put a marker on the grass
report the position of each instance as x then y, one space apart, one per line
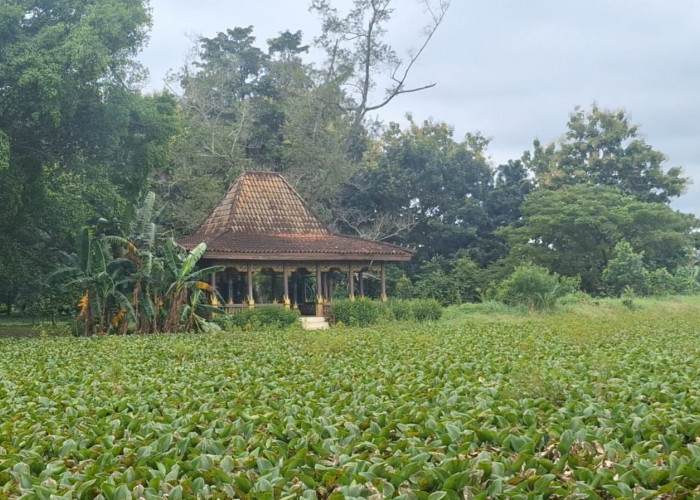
590 401
17 326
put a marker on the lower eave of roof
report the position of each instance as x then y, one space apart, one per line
306 257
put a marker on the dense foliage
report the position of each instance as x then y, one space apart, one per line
141 283
261 317
77 139
583 404
535 287
365 312
80 144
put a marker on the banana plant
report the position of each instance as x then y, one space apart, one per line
145 280
95 272
183 296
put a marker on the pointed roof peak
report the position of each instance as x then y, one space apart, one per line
263 218
265 203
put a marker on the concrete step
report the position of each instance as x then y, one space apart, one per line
313 323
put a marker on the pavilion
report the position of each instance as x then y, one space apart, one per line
263 226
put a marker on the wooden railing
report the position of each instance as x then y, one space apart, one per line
307 309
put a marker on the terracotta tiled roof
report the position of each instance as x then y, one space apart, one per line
262 202
262 216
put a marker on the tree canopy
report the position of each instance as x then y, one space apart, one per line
601 147
574 230
80 141
80 144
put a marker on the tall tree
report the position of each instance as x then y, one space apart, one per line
72 116
602 147
358 54
244 107
421 187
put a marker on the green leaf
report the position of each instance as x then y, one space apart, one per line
456 482
122 493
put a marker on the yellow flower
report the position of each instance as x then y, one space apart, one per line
83 305
118 317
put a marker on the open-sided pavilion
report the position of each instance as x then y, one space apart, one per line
263 226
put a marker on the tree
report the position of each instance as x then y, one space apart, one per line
421 187
357 52
601 147
96 274
573 231
80 139
141 283
243 108
511 187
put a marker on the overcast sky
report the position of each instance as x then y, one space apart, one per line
510 69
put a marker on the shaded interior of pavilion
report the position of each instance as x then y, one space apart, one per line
310 288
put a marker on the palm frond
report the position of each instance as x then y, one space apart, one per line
192 258
171 257
200 274
144 213
60 273
112 239
125 304
149 234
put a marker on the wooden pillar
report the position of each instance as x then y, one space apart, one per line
214 299
361 282
330 286
295 290
304 279
230 289
285 286
251 301
383 277
319 291
351 284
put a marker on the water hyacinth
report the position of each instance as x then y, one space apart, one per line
562 405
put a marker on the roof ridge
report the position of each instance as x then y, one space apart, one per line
303 201
235 189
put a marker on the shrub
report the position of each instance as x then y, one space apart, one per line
47 329
661 282
467 280
458 282
434 283
535 287
426 309
574 298
687 280
361 312
626 271
274 317
277 316
400 309
404 288
489 307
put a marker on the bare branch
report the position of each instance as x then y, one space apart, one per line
391 96
358 41
375 226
